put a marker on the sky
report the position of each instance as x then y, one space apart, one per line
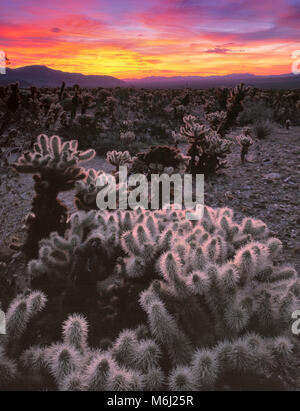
141 38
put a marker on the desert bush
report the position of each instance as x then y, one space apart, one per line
253 112
262 129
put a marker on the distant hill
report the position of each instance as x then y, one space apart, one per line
290 81
42 76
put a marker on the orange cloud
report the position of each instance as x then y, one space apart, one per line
130 38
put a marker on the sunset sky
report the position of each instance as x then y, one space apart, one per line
139 38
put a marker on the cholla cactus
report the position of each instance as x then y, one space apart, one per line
206 149
95 370
95 243
61 90
57 166
245 142
222 96
215 119
201 305
13 102
111 103
118 158
288 124
247 131
118 110
50 155
88 189
126 125
233 108
75 101
215 300
86 99
19 314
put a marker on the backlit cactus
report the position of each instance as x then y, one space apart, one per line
245 143
18 316
50 155
234 106
118 158
214 119
207 149
57 168
214 302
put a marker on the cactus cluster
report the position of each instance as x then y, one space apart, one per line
171 304
207 149
163 303
106 118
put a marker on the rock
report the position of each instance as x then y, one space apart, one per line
272 176
246 194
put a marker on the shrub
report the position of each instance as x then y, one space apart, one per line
253 112
262 129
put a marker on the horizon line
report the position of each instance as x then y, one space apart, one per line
127 79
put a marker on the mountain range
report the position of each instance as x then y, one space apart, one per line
288 81
42 76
